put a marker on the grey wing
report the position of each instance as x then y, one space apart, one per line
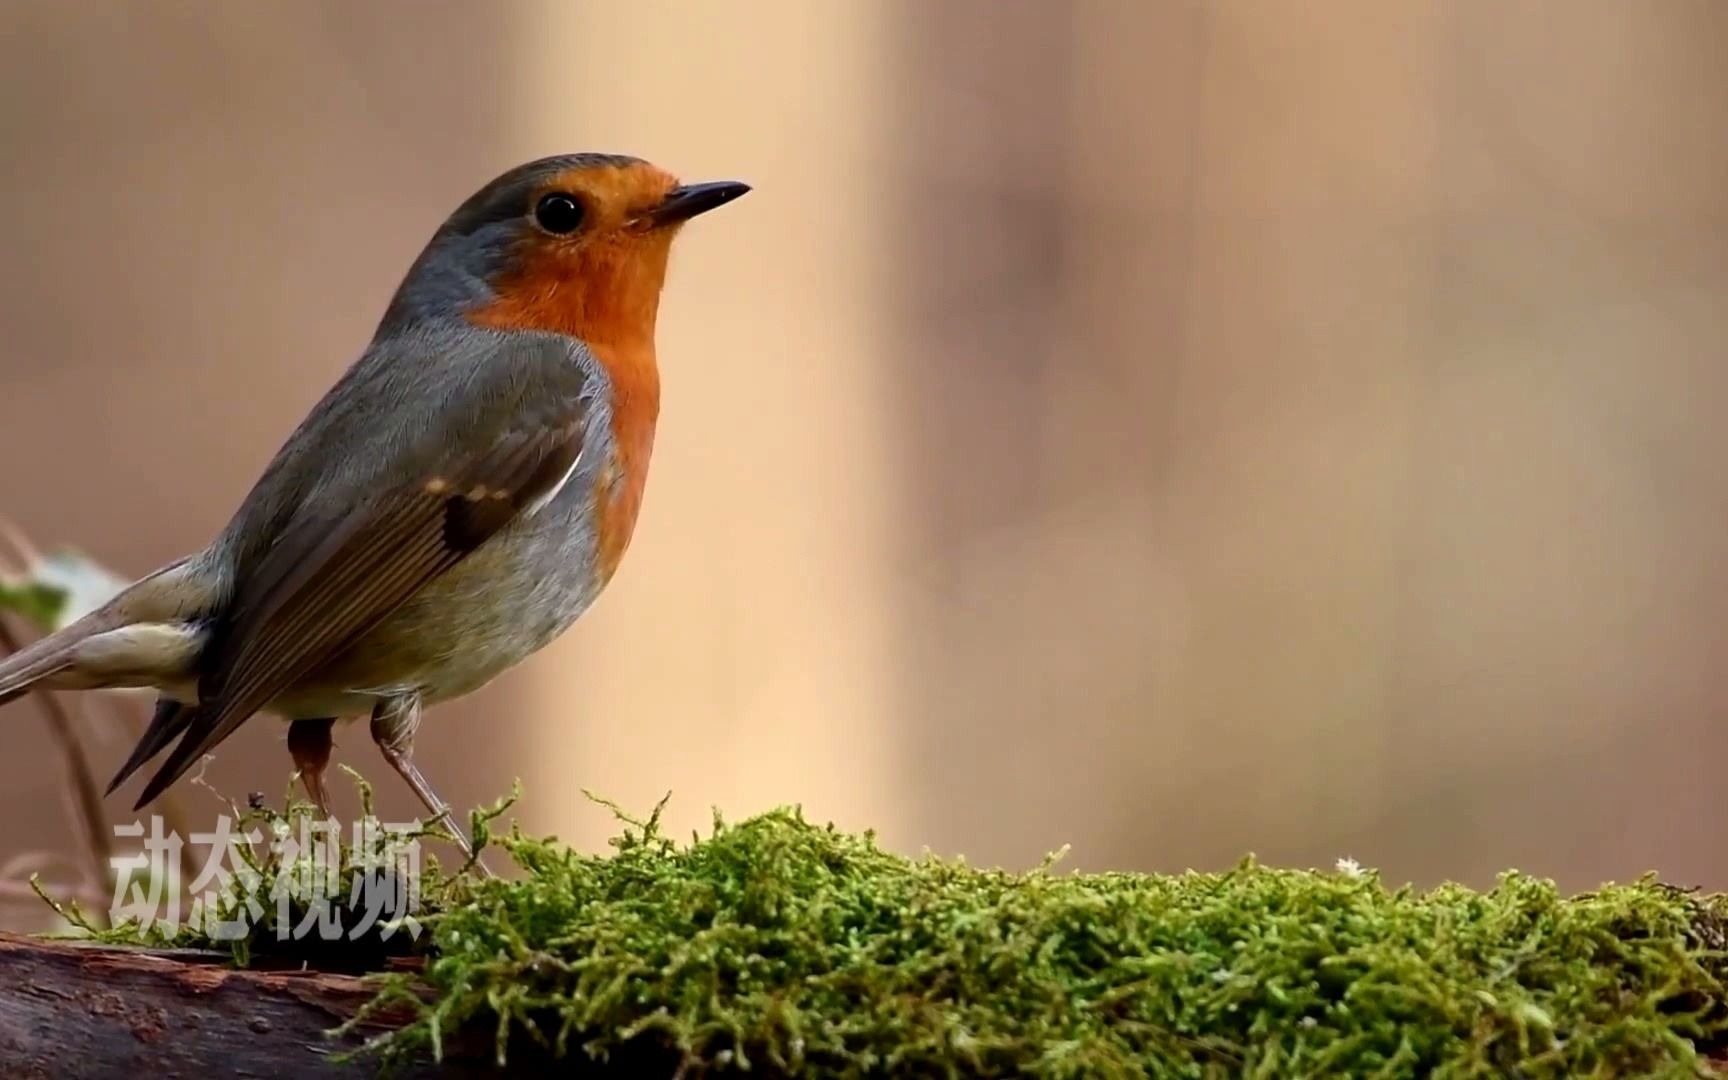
501 440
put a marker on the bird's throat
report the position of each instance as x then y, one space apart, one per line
608 297
618 490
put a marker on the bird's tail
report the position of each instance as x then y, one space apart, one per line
149 635
170 719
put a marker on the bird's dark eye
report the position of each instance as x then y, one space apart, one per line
559 213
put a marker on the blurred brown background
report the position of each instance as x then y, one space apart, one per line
1176 429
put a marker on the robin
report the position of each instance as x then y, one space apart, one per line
454 503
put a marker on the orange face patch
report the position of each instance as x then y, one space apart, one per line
600 283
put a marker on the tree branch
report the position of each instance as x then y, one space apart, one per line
70 1009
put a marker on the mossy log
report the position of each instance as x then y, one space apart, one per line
77 1009
777 948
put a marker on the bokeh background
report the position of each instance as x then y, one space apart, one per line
1174 429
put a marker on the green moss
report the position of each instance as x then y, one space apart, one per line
783 947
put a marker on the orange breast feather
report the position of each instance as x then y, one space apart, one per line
607 296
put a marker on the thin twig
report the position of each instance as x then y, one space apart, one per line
19 892
21 548
86 797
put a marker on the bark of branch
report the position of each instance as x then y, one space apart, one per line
73 1010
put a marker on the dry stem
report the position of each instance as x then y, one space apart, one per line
86 796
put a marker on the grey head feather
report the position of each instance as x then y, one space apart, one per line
454 272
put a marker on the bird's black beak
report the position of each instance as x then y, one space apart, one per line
684 203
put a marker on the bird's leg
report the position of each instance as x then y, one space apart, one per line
309 742
394 721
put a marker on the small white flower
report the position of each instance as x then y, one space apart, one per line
1350 867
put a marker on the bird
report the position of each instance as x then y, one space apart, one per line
455 501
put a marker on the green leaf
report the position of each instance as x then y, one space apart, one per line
59 589
85 584
37 603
